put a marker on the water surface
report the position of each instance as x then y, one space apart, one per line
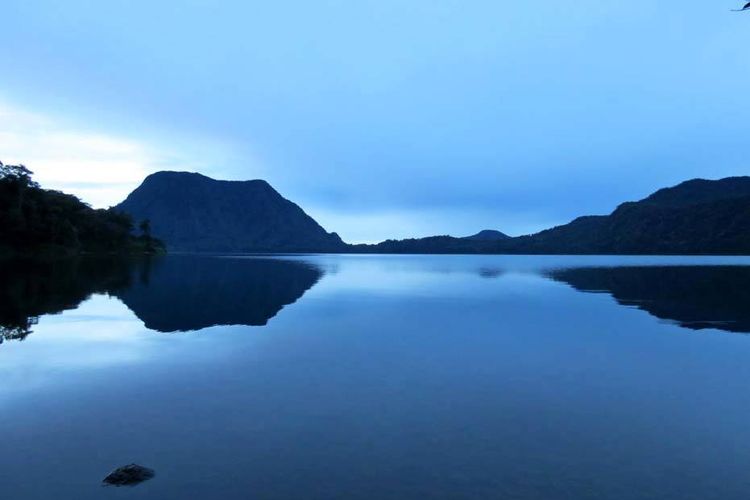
376 377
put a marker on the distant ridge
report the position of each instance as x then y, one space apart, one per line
191 212
488 235
695 217
194 213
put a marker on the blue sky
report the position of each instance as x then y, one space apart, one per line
382 118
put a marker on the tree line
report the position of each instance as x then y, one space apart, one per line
34 220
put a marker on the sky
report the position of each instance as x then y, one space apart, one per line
387 118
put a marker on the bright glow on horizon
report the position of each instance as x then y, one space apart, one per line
100 169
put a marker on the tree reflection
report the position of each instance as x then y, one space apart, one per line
177 293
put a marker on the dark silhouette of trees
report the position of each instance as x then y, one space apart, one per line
18 175
35 220
145 227
146 239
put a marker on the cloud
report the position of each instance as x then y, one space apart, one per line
99 168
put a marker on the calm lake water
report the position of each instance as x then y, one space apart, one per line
377 377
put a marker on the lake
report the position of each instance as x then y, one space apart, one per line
377 377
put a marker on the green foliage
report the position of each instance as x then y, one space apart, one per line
36 220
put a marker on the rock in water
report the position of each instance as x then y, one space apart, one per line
129 475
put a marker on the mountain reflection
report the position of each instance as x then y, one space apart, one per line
490 272
694 297
192 293
168 294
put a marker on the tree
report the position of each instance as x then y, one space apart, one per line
16 180
145 227
17 175
35 220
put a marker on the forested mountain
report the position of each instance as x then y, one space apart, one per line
695 217
192 212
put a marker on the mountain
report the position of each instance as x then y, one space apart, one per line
191 212
487 235
194 213
696 217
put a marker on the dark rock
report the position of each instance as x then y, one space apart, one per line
129 475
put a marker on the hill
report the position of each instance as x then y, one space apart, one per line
487 235
695 217
194 213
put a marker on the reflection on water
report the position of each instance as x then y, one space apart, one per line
192 293
167 294
695 297
490 272
29 289
389 377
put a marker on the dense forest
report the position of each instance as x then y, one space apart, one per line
37 221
